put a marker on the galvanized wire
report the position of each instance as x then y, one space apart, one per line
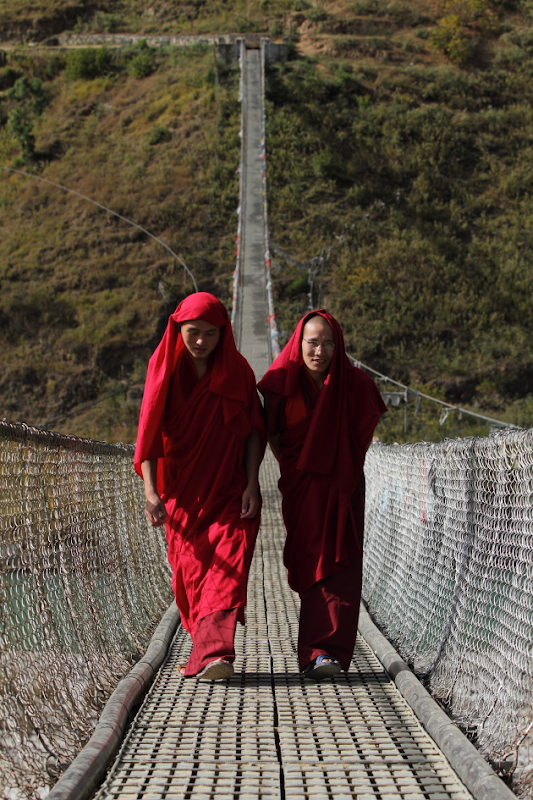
83 581
449 579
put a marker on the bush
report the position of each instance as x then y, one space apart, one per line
20 126
451 38
276 29
328 165
142 60
298 286
317 15
160 134
368 7
142 65
89 63
8 76
30 90
108 22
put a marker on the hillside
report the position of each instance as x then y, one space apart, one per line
399 150
85 296
407 170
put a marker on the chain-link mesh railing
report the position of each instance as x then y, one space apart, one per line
449 579
83 582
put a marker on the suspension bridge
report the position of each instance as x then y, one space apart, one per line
448 576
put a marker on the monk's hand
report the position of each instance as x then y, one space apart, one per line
250 501
155 511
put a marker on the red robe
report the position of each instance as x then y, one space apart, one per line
197 429
324 437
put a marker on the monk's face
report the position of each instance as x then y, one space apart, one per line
318 347
200 338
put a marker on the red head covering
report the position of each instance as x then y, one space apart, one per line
283 378
327 445
226 379
208 308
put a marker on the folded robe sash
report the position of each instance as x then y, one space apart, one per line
324 436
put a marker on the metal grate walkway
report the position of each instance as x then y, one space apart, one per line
251 325
268 733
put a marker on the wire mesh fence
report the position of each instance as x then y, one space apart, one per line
83 582
84 579
449 580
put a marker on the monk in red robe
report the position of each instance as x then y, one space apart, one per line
200 443
321 414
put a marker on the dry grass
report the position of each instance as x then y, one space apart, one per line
85 295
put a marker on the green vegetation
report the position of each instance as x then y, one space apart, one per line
463 29
413 175
399 150
24 101
85 296
37 20
89 63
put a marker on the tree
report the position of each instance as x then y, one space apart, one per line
20 125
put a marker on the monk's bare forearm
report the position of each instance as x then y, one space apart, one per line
252 460
149 473
155 508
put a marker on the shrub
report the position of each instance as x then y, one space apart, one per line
107 22
328 165
160 134
247 25
20 126
317 15
276 29
89 63
142 60
364 7
8 76
142 65
298 286
451 38
30 90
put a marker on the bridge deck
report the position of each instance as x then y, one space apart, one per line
267 732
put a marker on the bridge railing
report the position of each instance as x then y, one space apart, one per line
449 580
83 582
